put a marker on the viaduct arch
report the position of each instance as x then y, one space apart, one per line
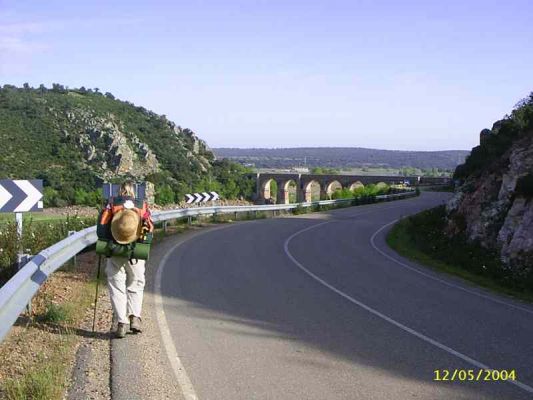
328 184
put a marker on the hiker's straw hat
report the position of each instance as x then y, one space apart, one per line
126 226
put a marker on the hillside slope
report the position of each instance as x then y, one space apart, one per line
74 139
494 204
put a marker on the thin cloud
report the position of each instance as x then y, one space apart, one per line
23 28
20 46
34 27
22 41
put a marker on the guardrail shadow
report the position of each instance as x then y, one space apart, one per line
59 329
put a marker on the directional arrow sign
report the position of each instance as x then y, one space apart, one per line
201 197
214 196
5 196
21 195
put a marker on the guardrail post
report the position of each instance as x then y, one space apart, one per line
22 260
236 214
70 233
189 220
165 227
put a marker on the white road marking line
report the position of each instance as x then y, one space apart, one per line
495 300
405 328
184 382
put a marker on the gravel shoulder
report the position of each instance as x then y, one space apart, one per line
91 372
140 366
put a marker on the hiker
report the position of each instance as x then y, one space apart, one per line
125 231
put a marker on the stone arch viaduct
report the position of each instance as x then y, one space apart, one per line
328 184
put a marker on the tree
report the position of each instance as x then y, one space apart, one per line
164 195
56 87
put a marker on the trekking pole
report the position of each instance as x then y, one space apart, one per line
97 283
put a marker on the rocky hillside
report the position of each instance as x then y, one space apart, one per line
76 138
494 204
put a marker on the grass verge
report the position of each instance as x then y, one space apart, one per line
421 238
46 381
37 356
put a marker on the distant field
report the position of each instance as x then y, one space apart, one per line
355 171
344 158
351 171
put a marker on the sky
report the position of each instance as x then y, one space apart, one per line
399 75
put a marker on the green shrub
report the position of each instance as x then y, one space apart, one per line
39 384
503 134
300 210
55 313
37 235
50 197
422 237
164 195
80 197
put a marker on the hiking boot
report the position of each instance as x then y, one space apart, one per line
121 330
135 324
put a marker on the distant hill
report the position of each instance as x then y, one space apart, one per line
74 139
343 157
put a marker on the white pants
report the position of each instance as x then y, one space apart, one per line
126 287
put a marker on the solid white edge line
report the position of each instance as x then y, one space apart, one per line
405 328
495 300
184 382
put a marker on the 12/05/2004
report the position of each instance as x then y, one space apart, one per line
483 375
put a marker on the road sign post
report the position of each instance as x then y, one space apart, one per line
18 218
20 253
21 196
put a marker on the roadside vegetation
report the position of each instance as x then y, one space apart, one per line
36 358
363 191
497 141
37 235
422 238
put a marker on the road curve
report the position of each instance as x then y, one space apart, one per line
317 307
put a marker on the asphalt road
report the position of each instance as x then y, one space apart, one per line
315 307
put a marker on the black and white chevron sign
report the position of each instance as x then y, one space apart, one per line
201 197
21 195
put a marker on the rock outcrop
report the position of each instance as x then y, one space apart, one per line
494 205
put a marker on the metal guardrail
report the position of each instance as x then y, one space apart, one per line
20 289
